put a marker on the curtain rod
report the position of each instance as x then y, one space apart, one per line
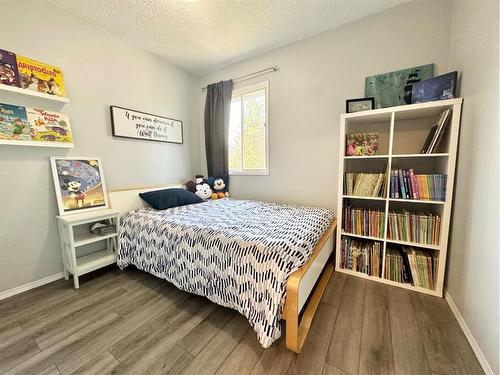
273 68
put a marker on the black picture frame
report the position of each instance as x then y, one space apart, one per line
370 100
116 134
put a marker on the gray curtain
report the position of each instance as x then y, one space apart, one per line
217 110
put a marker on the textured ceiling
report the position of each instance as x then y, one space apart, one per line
204 35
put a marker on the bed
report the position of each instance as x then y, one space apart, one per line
266 260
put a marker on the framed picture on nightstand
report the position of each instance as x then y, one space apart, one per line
79 184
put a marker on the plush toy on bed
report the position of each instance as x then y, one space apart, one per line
191 185
203 191
200 187
219 187
211 188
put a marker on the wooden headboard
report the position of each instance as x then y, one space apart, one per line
128 200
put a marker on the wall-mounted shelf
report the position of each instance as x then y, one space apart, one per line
33 94
36 144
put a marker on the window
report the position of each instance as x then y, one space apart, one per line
249 130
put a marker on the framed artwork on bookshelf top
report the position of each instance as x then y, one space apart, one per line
358 105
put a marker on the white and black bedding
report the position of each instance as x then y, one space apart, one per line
237 253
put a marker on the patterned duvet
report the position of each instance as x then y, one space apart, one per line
237 253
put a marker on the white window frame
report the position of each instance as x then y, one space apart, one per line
239 92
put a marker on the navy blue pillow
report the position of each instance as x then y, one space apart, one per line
168 198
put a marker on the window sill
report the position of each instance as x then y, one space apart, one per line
249 173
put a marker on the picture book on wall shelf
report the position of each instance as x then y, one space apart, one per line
14 123
49 126
37 76
8 69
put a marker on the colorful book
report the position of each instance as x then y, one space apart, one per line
41 77
9 74
402 190
49 126
14 124
396 184
413 184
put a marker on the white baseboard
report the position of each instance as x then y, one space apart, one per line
31 285
468 334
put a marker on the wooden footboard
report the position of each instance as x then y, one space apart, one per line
296 332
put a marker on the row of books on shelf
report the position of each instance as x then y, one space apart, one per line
361 256
364 184
402 264
25 73
363 221
411 266
414 227
405 184
423 228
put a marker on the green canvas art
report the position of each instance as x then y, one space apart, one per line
394 88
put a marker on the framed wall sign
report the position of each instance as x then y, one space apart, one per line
79 184
129 123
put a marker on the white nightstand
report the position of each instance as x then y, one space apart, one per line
74 231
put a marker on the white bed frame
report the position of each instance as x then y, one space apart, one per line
305 286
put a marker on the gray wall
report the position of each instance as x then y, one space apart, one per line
473 266
308 94
99 70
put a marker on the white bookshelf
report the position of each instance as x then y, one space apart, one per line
402 131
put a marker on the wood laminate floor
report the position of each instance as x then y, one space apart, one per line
133 323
